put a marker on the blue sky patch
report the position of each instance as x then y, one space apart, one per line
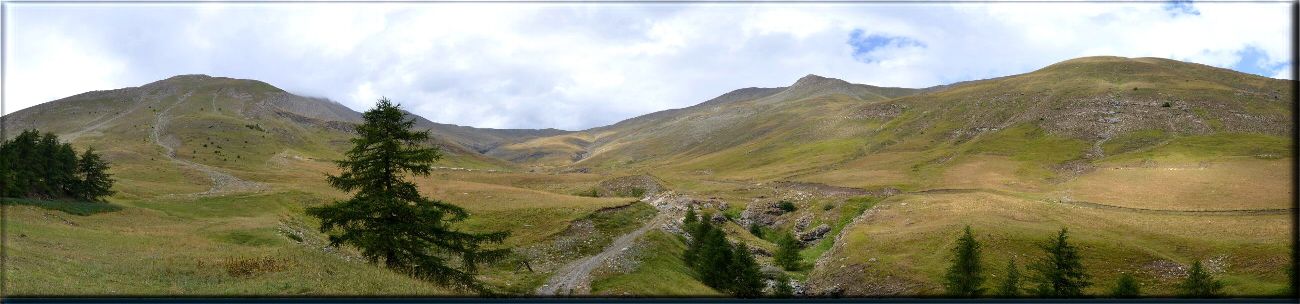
1255 61
865 45
1181 7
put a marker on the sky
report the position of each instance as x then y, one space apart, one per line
577 66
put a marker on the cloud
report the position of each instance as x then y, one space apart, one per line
576 66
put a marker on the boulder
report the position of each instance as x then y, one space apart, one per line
803 222
718 218
760 213
815 234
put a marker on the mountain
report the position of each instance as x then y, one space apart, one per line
726 123
1096 106
1150 163
233 129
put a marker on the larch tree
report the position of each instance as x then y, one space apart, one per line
93 180
1010 287
1199 283
787 252
1059 273
1126 287
964 277
388 220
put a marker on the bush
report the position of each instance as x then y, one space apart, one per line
756 230
786 206
589 193
787 253
1126 287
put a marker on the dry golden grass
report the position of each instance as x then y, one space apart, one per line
871 171
990 172
909 236
214 246
530 215
1222 185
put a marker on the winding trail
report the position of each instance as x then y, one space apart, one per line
139 103
575 277
222 183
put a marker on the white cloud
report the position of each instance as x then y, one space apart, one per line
576 66
54 66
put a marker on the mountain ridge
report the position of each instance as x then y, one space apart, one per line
739 118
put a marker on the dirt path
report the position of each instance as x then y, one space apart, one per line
222 183
575 278
139 103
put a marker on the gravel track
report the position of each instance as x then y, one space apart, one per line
222 183
575 278
139 103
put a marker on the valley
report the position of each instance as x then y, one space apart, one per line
1150 163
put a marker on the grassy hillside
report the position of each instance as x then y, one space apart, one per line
180 226
1151 164
754 116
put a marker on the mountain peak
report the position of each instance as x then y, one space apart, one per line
188 77
812 79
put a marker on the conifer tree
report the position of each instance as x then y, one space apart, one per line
690 224
1059 273
719 264
93 180
787 252
690 219
1126 287
388 219
63 174
23 164
37 165
714 257
1010 287
747 278
963 278
1199 283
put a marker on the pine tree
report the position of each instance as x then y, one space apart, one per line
714 257
690 219
64 170
787 252
1059 273
720 264
963 278
93 180
1199 283
45 160
1126 287
388 219
747 277
691 225
1010 287
22 164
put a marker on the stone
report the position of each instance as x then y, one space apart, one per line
803 222
718 218
814 234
